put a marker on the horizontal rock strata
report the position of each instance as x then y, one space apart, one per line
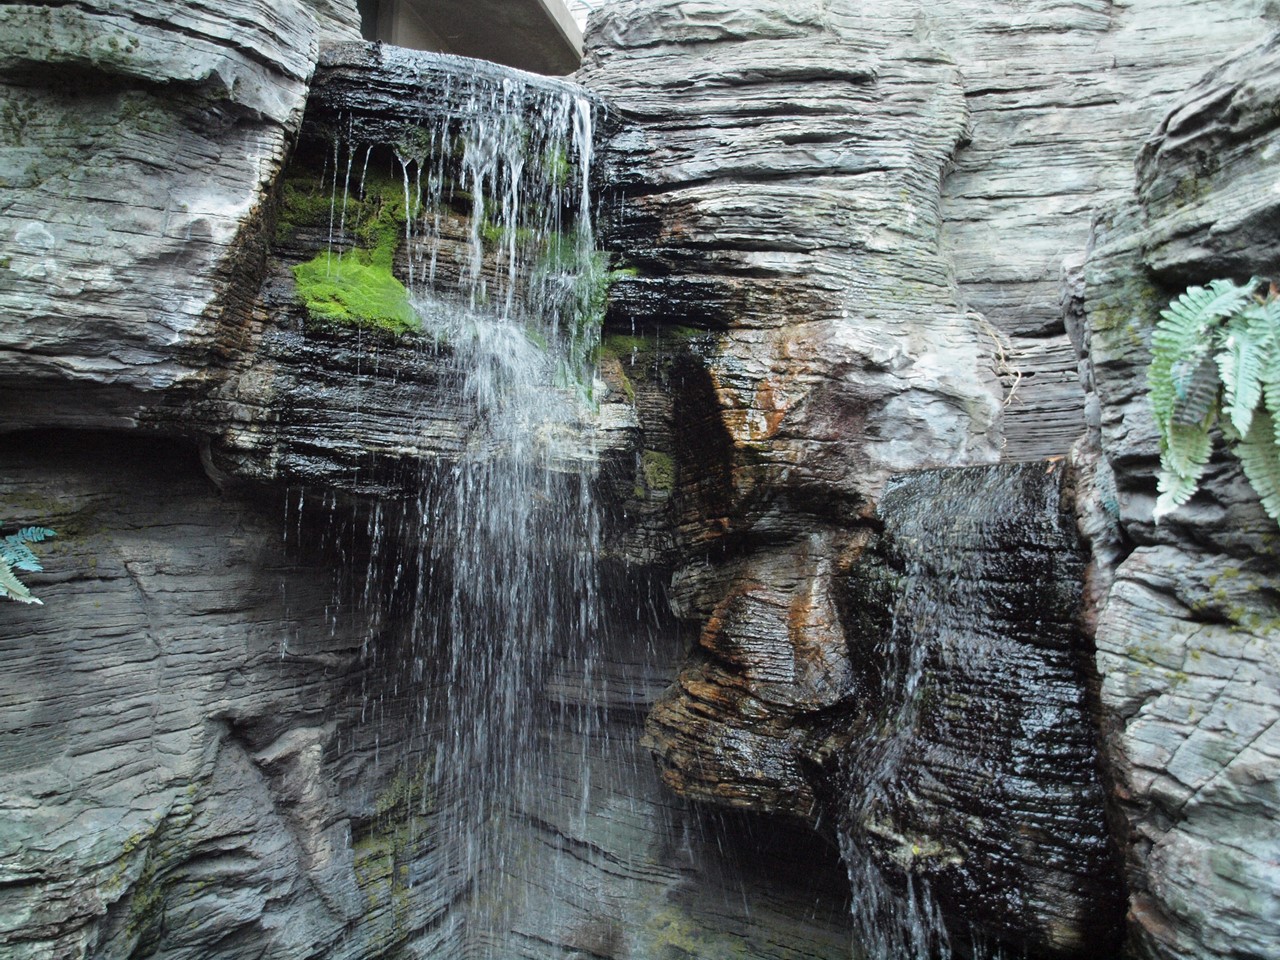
1188 618
1060 98
142 140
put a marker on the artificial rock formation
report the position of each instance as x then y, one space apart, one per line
215 730
1187 617
185 770
141 140
846 223
867 209
767 210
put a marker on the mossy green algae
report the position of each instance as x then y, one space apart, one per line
354 288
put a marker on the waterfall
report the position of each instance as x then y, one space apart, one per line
494 562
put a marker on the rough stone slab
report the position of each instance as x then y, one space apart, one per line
143 137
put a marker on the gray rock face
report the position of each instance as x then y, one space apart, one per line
1060 98
212 747
363 409
208 745
185 771
1186 631
141 139
971 765
775 149
234 763
804 181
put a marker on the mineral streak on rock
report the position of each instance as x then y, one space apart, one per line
864 204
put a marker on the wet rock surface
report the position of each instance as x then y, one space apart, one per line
972 764
363 409
807 208
257 764
213 745
1187 621
834 212
185 770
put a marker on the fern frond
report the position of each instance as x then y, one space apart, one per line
1174 492
1183 457
1260 457
15 552
1181 340
19 556
1195 392
1245 350
12 587
1187 319
32 534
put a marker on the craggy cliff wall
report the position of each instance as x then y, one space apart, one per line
869 208
212 735
1189 617
847 223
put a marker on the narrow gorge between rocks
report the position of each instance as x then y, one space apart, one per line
695 509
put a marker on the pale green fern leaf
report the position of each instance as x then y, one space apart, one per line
16 555
12 587
1260 458
15 552
1185 451
1187 318
1181 341
1240 363
1195 393
1271 365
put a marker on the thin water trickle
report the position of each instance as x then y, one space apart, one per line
973 765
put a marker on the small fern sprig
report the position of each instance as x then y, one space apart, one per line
15 554
1216 353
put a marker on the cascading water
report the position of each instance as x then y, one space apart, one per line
971 789
494 561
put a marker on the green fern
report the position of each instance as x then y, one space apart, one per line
1216 350
16 555
1181 341
1260 458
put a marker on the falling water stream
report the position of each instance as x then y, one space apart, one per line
495 559
972 789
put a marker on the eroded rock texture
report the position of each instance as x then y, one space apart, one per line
213 746
216 732
1187 624
1060 97
186 771
780 182
361 408
972 761
867 206
140 141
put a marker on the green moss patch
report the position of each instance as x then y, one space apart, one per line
356 288
353 291
659 470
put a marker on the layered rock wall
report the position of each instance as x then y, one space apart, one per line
141 139
781 193
1188 618
216 732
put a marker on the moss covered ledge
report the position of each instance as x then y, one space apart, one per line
355 287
